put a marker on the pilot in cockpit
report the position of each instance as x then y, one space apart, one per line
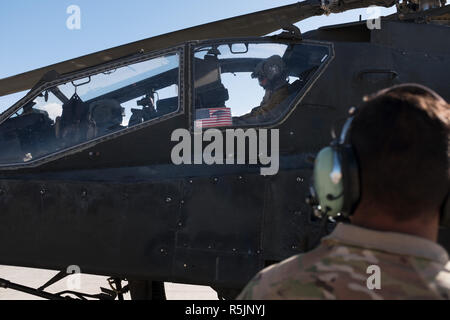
107 115
273 77
29 109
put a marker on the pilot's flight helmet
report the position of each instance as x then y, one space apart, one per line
106 112
270 71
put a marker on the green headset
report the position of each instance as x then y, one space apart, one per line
336 190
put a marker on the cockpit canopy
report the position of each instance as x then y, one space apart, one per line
225 80
134 92
101 104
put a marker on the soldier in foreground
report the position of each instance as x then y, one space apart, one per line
400 141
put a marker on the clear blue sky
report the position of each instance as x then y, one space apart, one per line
34 34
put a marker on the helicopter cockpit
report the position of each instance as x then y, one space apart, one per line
82 110
228 92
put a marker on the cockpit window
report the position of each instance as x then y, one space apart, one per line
79 111
7 101
241 84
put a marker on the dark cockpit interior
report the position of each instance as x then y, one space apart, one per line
31 133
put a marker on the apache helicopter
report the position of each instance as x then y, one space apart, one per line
86 174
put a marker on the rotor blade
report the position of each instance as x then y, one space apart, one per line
254 24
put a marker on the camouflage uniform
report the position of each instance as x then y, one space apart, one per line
411 268
269 108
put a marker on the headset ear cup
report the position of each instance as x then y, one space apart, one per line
351 179
329 195
445 213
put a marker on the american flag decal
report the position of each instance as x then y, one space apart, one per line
213 118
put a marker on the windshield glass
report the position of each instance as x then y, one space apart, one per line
79 111
7 101
251 83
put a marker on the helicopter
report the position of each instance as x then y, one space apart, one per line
87 173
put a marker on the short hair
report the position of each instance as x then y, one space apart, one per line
401 139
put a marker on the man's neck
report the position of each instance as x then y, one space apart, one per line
374 219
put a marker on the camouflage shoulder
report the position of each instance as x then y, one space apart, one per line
261 286
287 280
432 277
322 274
443 282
